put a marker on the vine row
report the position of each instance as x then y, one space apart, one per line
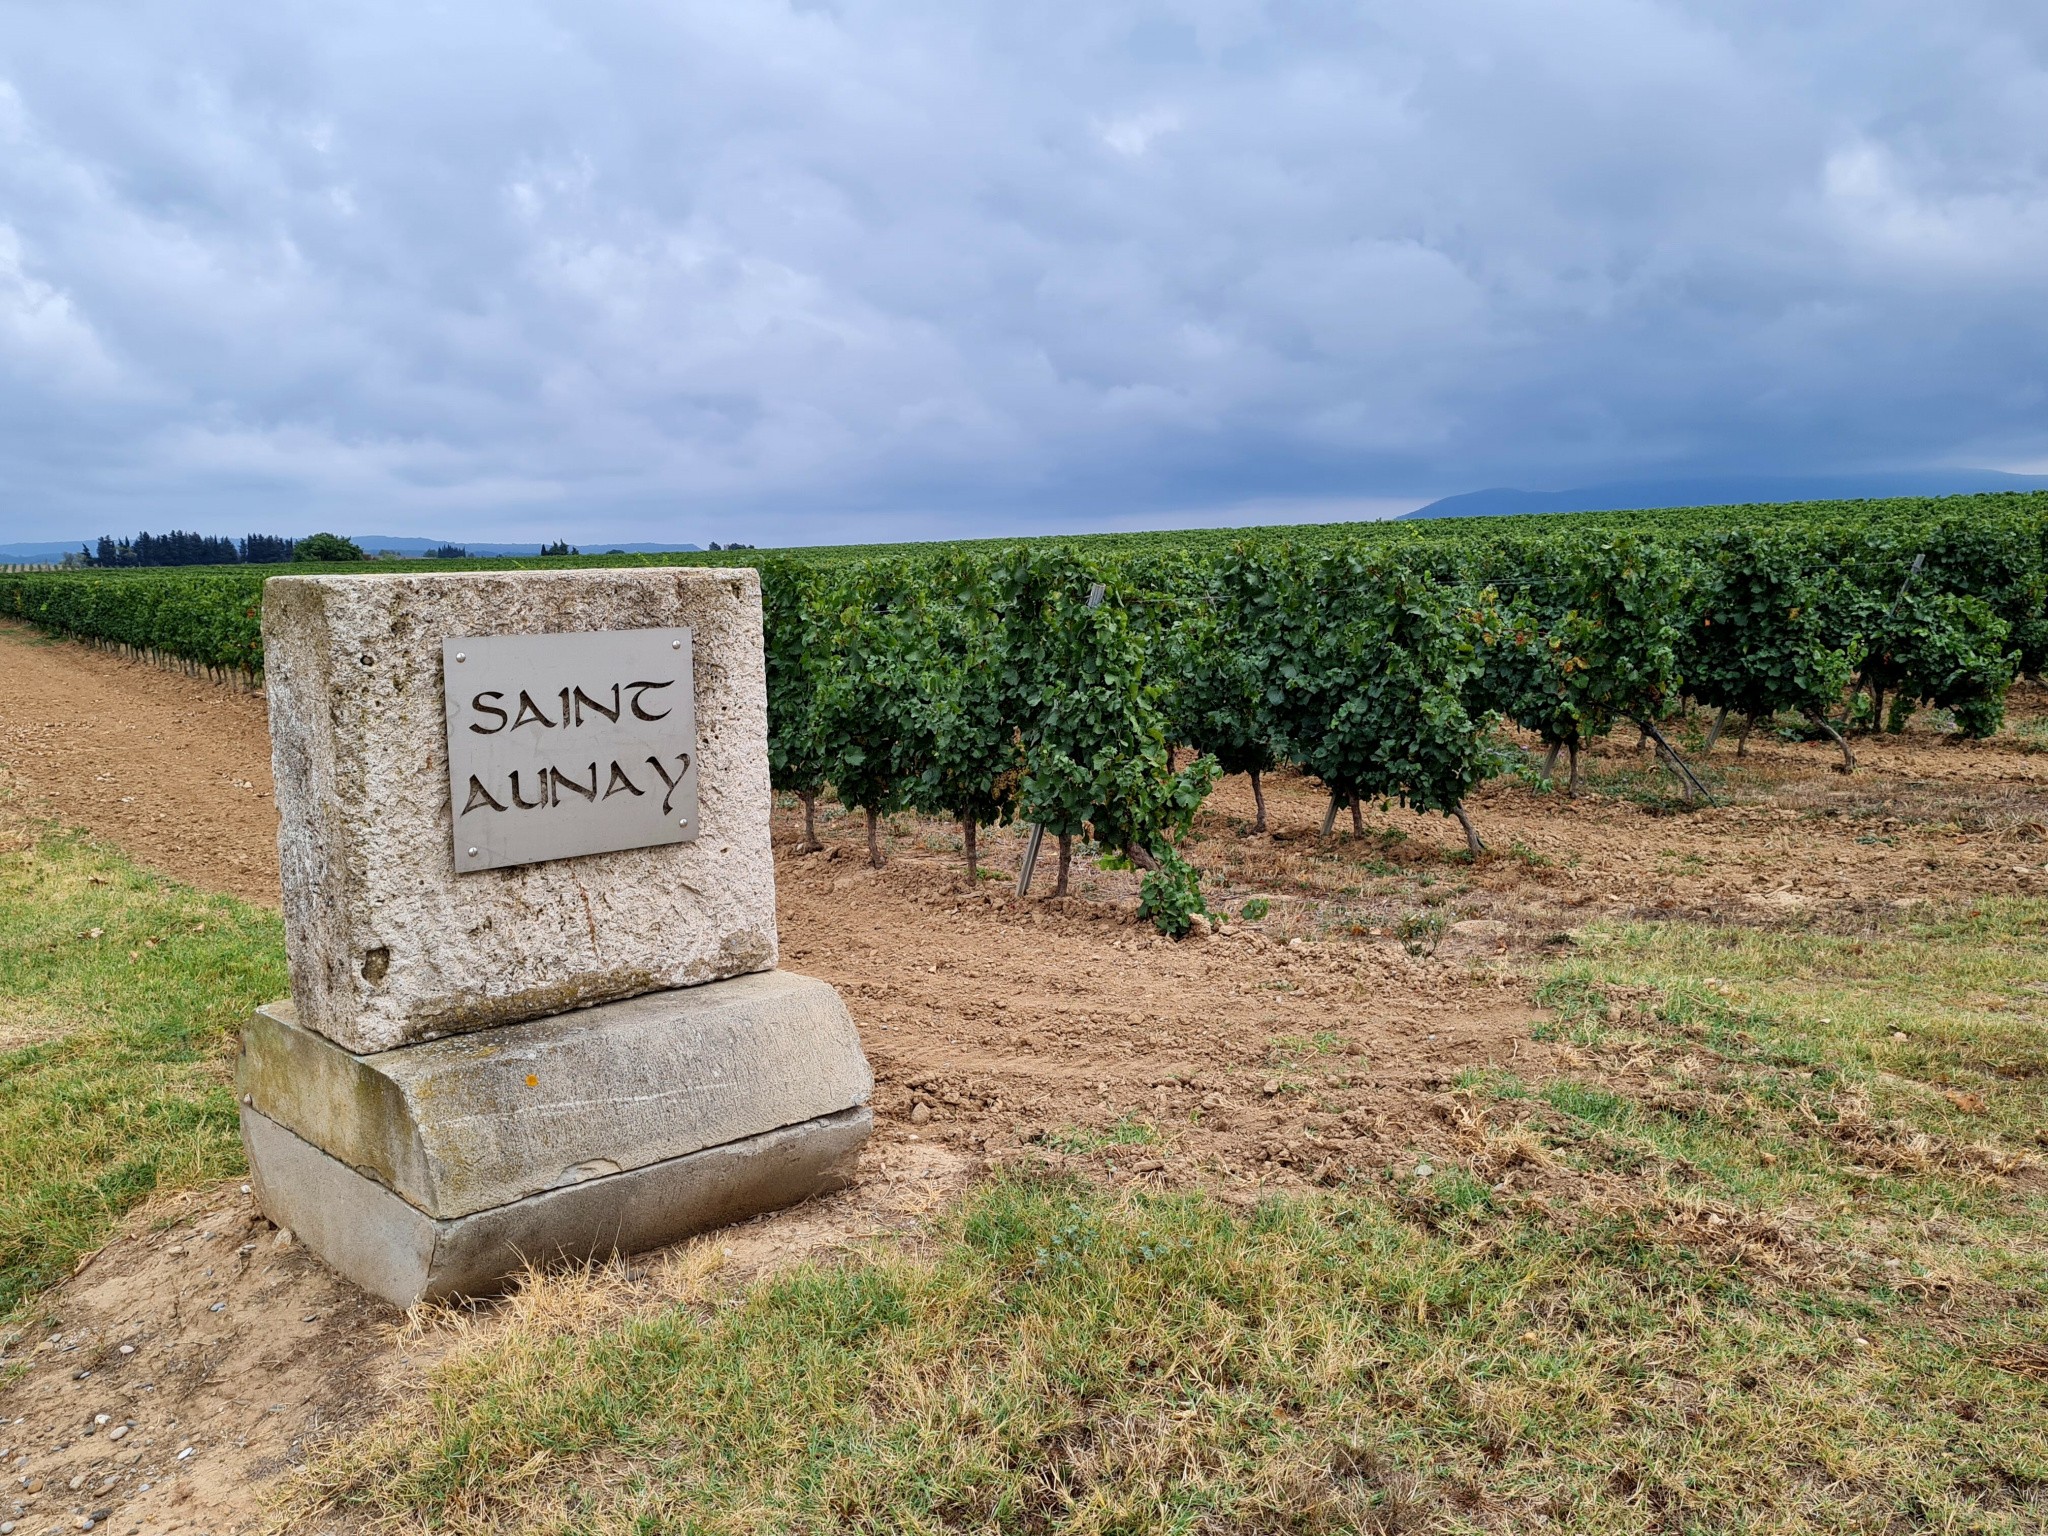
1055 681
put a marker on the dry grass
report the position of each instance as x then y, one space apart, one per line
1755 1264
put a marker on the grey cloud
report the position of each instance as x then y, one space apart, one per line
829 270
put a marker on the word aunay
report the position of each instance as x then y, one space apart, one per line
567 711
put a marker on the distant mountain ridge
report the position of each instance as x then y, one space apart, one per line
1727 490
1500 501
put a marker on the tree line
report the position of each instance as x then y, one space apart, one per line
180 548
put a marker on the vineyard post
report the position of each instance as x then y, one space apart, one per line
1030 864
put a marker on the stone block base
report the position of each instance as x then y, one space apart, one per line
394 1250
445 1168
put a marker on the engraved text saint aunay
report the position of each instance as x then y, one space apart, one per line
568 744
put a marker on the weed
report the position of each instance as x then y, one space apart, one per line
1287 1050
1078 1141
1421 932
1582 1101
1493 1082
2030 734
1171 895
1527 770
1649 786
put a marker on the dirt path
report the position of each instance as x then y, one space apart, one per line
173 768
1309 1045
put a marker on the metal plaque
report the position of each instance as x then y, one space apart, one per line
561 745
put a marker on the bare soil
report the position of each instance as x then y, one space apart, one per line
173 768
1316 1043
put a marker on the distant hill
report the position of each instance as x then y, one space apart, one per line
1728 490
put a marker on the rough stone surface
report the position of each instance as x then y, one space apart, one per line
393 1250
388 945
463 1124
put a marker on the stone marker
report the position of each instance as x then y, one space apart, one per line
530 915
390 942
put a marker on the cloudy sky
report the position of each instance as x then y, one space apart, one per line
791 272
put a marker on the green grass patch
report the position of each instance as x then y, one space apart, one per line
1292 1050
1751 1263
1943 1024
1078 1141
1075 1362
1582 1101
120 998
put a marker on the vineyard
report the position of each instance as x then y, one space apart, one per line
1057 681
1664 1167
